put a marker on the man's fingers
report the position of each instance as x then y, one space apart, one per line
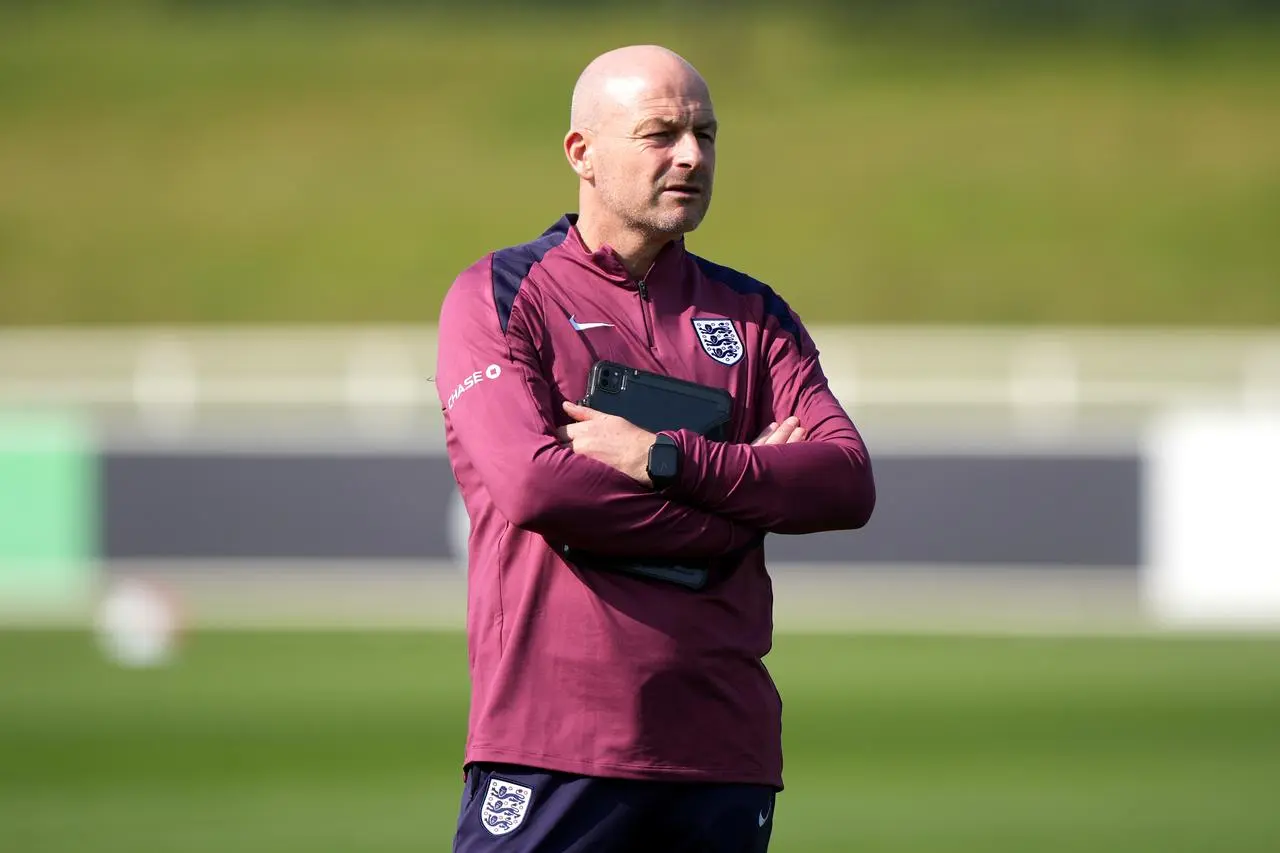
787 432
768 431
782 435
579 413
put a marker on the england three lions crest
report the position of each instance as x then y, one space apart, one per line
505 805
720 340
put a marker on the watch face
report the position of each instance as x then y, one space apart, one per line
663 461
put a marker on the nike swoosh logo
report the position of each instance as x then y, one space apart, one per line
764 814
582 327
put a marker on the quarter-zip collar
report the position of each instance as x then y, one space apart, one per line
606 262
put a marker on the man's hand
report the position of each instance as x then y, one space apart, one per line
787 432
610 439
624 446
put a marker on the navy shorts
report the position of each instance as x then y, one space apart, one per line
525 810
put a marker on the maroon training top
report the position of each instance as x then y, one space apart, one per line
596 672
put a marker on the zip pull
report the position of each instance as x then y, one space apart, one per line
644 312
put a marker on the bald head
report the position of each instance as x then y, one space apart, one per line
616 81
642 142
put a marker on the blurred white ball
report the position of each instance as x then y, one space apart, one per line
137 624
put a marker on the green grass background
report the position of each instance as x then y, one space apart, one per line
286 742
162 165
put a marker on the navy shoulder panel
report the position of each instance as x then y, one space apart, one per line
774 305
511 266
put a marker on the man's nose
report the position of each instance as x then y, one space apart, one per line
689 151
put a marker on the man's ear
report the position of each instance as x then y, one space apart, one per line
577 148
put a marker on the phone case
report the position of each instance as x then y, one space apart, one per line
656 402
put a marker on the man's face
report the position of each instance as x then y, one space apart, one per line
655 157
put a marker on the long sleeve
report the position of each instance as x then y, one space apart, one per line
499 410
822 483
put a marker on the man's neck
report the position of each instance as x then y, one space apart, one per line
637 251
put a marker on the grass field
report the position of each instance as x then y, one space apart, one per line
288 742
161 166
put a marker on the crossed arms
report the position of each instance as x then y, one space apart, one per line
583 484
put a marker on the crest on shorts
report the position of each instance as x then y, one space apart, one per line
505 805
719 339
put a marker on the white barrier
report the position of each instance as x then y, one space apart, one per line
1213 519
1029 381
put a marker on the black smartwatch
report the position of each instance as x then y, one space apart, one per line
664 461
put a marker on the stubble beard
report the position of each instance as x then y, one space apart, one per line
658 216
651 213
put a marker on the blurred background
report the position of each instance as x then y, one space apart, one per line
1038 244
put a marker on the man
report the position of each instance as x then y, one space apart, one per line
611 712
